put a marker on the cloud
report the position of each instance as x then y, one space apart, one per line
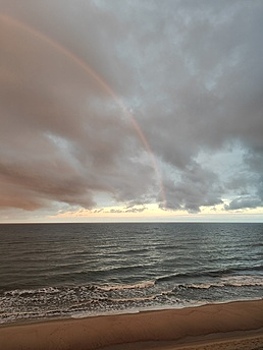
244 202
61 138
197 187
126 210
190 72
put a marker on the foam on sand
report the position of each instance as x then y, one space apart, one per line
164 329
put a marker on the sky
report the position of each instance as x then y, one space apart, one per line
131 110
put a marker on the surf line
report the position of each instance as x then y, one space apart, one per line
100 81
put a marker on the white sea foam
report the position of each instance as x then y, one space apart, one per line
142 285
230 281
242 281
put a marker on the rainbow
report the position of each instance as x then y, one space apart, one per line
99 80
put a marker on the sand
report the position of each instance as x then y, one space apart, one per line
235 325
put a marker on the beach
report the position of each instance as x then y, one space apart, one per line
233 325
131 286
55 271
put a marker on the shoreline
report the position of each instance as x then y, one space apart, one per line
87 315
159 329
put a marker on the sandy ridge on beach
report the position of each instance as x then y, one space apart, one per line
164 329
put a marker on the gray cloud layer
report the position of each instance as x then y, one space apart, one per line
191 72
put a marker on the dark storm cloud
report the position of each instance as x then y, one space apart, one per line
244 202
197 187
206 89
191 72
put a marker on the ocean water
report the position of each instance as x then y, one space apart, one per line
78 270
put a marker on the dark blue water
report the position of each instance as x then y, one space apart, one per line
75 270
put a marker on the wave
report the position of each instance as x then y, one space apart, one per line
141 285
91 299
79 289
234 281
210 273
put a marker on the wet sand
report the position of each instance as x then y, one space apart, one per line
235 325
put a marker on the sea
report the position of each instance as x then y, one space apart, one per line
54 271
